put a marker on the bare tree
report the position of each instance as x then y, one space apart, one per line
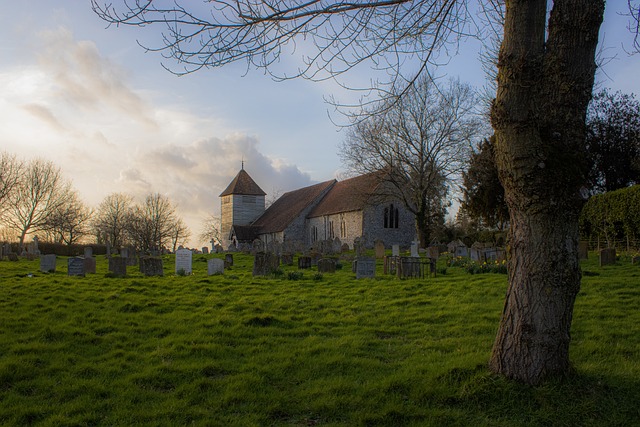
41 192
422 141
151 225
10 171
70 221
180 233
546 69
210 230
109 221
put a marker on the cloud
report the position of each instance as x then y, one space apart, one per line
84 80
43 113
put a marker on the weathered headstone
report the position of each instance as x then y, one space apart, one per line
228 260
88 251
365 267
118 266
265 263
304 262
124 252
108 254
345 248
89 265
75 266
205 250
358 246
48 263
257 246
607 256
327 265
336 246
414 249
583 250
433 252
151 266
183 261
215 266
287 258
395 250
379 249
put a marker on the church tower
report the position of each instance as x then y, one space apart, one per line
242 202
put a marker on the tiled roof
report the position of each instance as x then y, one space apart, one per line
243 184
348 195
289 206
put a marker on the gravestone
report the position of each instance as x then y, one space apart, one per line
304 262
433 252
118 266
151 266
395 250
48 263
257 246
75 266
205 250
132 258
108 254
219 249
414 249
124 252
34 246
265 263
607 256
327 265
89 265
88 252
215 266
379 249
287 258
583 250
228 260
358 246
336 246
183 261
345 248
365 267
475 254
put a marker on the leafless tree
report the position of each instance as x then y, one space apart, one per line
10 171
40 193
151 225
180 234
70 221
422 141
210 230
109 221
546 70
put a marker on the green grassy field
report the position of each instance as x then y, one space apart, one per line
233 350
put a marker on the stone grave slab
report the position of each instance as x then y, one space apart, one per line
583 250
607 256
265 263
228 260
184 261
48 263
395 250
304 262
118 266
327 265
379 249
151 266
215 266
75 266
89 265
365 267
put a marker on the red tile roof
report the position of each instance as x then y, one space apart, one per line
349 195
289 206
243 184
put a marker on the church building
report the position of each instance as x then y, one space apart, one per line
344 210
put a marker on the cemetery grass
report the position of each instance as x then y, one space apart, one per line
299 351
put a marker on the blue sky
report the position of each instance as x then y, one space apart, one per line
90 99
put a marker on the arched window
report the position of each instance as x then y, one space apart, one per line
391 217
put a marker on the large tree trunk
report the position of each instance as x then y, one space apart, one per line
544 87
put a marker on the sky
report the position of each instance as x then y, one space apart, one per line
91 100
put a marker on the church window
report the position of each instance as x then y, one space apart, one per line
331 232
343 229
391 217
314 234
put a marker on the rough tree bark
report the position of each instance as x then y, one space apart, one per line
546 72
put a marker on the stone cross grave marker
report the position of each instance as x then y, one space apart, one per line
151 266
215 266
75 266
118 266
365 267
183 261
48 263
